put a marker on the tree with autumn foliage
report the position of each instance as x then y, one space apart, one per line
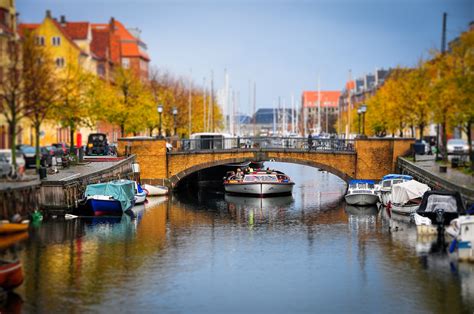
73 106
39 84
12 105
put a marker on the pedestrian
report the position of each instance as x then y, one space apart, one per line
310 141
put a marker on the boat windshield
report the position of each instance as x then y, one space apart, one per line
387 184
397 181
361 186
260 178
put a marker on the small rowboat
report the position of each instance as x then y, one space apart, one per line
8 240
7 228
155 190
11 274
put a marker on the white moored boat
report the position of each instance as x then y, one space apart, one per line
386 183
406 197
155 190
362 193
261 183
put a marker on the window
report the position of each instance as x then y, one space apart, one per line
60 62
101 69
40 40
56 41
126 63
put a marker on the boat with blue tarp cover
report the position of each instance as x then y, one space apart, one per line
362 193
385 190
110 198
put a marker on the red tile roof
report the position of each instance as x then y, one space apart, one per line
129 44
76 30
328 98
22 28
100 43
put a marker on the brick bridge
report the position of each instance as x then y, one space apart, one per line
366 158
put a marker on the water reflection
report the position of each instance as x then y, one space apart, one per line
258 209
210 252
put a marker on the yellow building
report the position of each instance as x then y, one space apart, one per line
68 43
7 33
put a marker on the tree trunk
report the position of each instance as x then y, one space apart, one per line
37 146
421 126
122 129
444 140
469 142
72 130
12 127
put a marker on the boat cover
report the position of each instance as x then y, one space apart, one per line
121 190
397 176
450 202
408 190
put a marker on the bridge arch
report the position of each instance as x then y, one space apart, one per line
342 166
367 159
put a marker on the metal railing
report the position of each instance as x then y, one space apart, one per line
266 143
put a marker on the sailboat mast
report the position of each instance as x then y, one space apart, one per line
319 107
255 108
292 113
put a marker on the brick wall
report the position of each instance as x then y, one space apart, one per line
373 159
377 157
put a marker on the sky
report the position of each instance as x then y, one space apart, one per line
283 46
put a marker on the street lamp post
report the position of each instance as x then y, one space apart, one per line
363 110
359 113
159 108
175 113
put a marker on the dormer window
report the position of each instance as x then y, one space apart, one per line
56 41
40 40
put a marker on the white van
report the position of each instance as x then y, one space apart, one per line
20 160
209 140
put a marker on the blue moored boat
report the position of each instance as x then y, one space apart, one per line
111 198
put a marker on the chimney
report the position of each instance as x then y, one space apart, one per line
48 13
112 24
63 19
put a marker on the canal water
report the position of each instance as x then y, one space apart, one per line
207 252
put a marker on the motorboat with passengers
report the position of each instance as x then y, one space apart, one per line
385 188
259 183
362 193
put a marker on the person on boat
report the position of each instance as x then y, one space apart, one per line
310 141
239 175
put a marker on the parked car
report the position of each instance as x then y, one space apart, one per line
457 146
97 145
29 153
5 166
53 151
63 147
20 160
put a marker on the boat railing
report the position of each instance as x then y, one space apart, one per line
266 143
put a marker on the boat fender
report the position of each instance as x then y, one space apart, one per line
453 246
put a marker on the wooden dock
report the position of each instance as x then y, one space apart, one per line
19 197
60 192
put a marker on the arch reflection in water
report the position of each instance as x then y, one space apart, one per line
258 209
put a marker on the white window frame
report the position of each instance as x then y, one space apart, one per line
126 63
56 41
40 40
60 62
